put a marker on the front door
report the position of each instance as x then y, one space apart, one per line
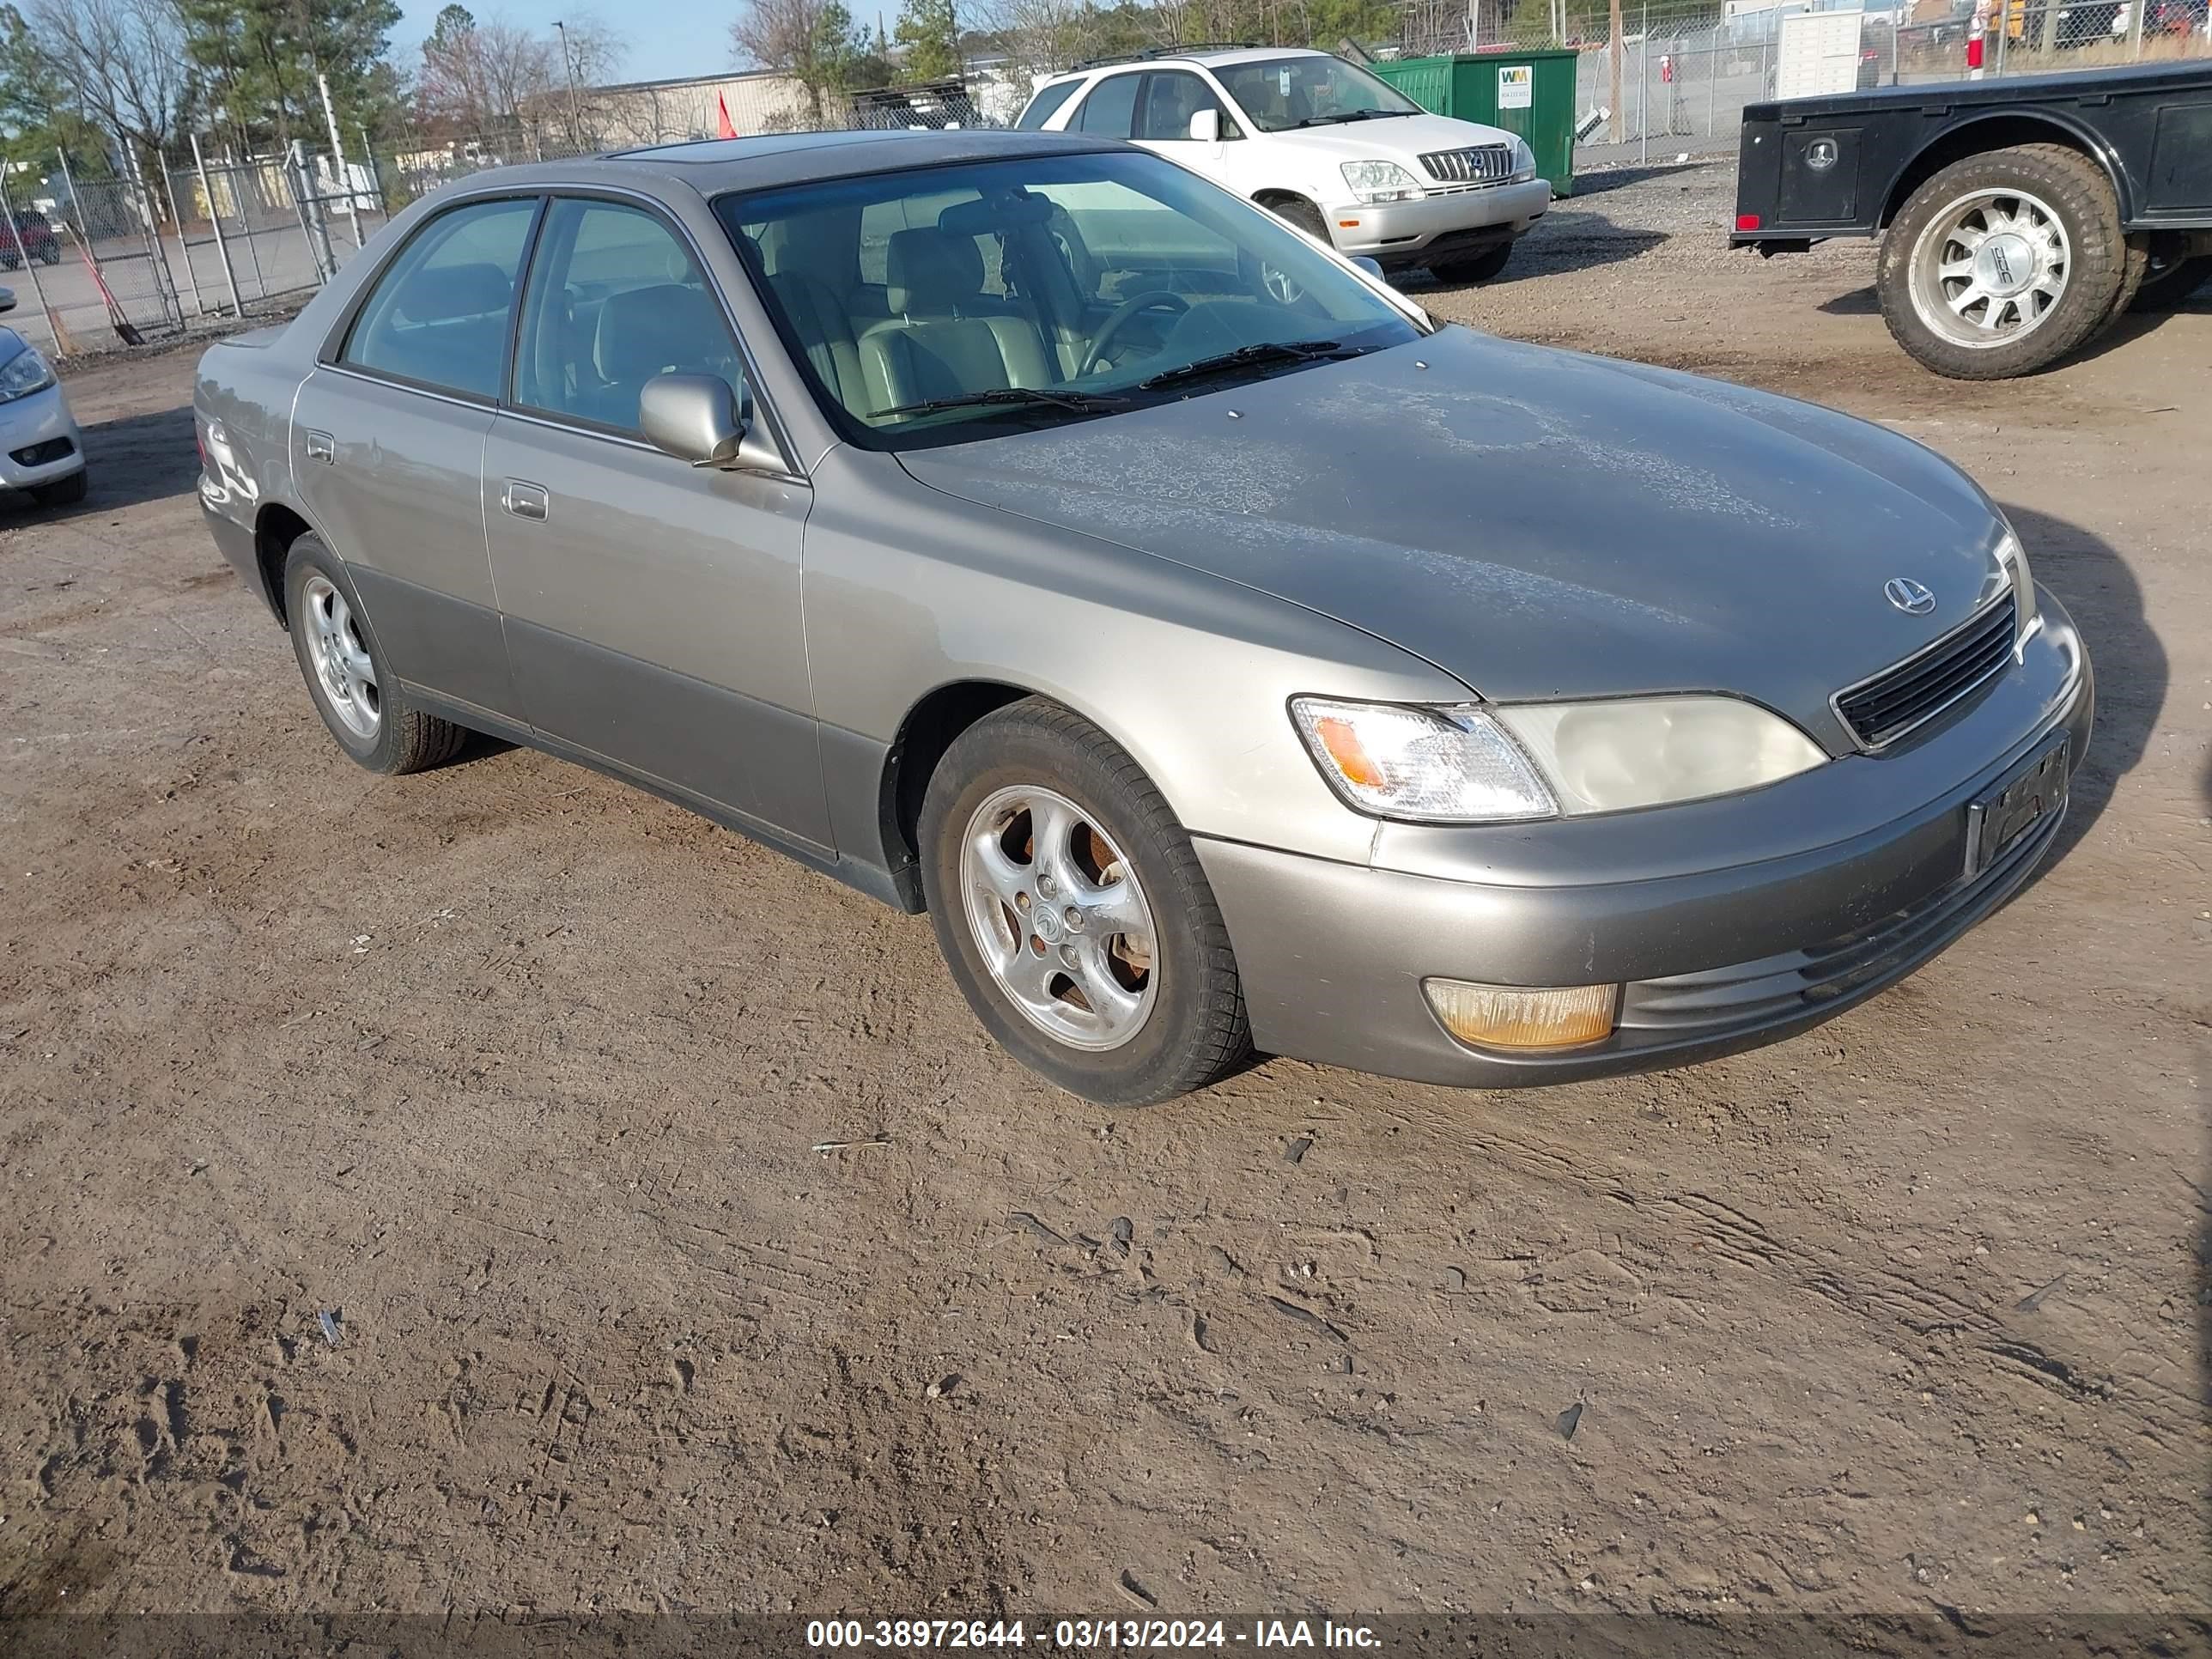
387 444
652 608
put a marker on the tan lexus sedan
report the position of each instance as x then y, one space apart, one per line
1022 528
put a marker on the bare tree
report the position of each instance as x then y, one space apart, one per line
478 76
812 41
1043 37
121 61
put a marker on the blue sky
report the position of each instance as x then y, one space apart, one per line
667 37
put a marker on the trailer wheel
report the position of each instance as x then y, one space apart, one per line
2004 262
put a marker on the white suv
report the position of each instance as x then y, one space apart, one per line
1349 160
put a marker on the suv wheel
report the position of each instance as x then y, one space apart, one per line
354 689
1073 913
2004 262
1479 267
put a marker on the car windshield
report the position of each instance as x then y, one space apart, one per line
1281 94
943 304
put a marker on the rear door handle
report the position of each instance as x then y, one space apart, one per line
321 446
526 500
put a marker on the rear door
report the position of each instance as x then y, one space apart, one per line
652 608
387 444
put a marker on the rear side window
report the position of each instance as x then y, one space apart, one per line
439 314
1046 105
1108 108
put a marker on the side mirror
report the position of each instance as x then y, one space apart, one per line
1205 127
1373 267
7 300
695 418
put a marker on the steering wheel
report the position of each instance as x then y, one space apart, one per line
1158 299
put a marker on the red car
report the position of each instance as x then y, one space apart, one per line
32 236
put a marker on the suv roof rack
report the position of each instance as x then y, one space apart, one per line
1151 52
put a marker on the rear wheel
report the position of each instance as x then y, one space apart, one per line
2004 262
352 684
1073 911
1481 268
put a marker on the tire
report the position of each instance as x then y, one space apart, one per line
52 256
1481 268
1190 1029
62 492
1297 211
2169 283
11 261
401 737
2056 189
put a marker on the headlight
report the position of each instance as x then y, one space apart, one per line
1434 765
1525 162
1643 751
1382 182
23 375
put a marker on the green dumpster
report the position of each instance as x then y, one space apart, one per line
1530 93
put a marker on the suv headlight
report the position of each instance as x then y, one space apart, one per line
23 373
1525 162
1465 764
1382 182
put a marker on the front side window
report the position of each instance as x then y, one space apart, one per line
439 313
1171 98
1046 105
615 299
1281 94
1110 108
1040 288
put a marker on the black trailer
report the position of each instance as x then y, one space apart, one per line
2019 217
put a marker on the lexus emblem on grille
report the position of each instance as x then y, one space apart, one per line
1908 596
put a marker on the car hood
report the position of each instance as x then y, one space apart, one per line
1400 139
1537 523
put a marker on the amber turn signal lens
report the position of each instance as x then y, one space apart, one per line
1342 742
1507 1016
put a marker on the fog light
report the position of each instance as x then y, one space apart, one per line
1506 1017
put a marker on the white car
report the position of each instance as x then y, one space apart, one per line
41 451
1346 158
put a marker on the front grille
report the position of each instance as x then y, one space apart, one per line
1755 992
1879 711
1483 164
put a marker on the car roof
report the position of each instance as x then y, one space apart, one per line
715 166
1220 58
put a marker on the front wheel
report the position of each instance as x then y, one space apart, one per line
347 676
2004 262
62 492
1073 911
1297 211
1481 268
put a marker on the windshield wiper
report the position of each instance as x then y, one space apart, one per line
1085 402
1265 351
1347 115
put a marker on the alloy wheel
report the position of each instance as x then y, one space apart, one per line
343 667
1058 918
1990 268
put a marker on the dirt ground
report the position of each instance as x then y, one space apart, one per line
521 1076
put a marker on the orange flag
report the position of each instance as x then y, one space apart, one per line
726 129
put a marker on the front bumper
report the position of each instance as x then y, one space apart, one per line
1401 232
43 419
1739 947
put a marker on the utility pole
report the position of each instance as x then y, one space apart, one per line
1613 52
575 106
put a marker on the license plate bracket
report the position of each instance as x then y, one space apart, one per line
2015 804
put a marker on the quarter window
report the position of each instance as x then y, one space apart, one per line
1109 108
1046 105
439 314
615 299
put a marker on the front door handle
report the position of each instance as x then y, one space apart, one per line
321 446
526 500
